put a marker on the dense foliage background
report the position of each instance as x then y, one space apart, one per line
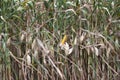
60 39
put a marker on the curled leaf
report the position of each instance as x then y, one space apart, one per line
82 37
71 11
70 51
40 44
67 49
34 44
22 37
75 41
20 8
96 51
8 41
28 59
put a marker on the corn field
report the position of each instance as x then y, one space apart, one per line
59 39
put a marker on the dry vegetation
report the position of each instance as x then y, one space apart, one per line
60 39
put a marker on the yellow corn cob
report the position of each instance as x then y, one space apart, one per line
64 40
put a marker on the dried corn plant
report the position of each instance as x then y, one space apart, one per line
59 40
